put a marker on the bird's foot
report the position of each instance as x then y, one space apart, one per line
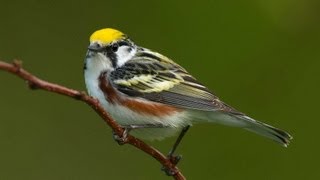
122 139
174 160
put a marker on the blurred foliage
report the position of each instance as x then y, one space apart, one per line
260 56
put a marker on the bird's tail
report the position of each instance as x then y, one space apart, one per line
252 125
268 131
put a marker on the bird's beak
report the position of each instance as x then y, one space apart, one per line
95 47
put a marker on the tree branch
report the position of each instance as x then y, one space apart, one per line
37 83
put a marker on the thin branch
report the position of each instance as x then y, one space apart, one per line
37 83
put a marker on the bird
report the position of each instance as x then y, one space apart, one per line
151 96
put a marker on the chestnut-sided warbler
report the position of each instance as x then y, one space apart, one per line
152 96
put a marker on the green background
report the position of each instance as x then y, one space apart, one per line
262 57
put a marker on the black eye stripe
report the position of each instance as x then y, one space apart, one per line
113 58
124 43
111 50
115 47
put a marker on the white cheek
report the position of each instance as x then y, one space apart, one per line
124 54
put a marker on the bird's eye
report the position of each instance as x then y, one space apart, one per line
115 47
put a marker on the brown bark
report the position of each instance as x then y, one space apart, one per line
37 83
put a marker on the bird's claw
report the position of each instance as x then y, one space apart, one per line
121 140
174 160
168 171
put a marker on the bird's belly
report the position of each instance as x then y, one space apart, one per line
124 116
170 123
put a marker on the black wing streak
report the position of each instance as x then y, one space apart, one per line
168 97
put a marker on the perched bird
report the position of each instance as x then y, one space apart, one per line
153 97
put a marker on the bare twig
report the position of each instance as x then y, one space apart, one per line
37 83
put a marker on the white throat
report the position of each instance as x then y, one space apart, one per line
95 63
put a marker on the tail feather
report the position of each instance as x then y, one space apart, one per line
268 131
249 124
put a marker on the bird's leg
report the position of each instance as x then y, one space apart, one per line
127 128
175 159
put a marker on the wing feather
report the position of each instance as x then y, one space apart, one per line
161 80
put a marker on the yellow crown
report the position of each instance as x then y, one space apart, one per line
106 35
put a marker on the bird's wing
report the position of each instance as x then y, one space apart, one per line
165 82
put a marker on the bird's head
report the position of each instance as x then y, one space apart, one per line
111 45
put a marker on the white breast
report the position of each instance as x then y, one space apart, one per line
97 63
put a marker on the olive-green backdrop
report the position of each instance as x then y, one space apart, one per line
262 57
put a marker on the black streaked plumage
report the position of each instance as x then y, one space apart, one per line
198 98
